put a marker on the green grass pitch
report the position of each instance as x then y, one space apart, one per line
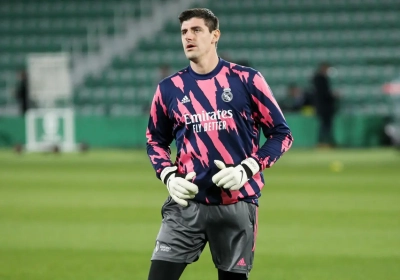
96 216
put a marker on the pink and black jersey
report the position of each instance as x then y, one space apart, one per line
219 115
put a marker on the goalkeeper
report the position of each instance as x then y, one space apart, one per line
215 111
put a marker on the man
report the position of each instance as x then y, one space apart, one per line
294 100
325 103
164 71
214 110
22 92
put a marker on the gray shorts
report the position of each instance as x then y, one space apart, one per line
230 231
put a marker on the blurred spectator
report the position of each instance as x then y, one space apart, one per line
22 92
325 104
296 99
164 71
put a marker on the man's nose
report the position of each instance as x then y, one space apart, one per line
188 36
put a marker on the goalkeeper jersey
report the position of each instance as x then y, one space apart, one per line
216 116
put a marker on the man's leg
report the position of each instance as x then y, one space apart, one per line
180 241
323 130
226 275
163 270
231 232
329 130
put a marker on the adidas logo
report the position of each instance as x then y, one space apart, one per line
241 262
185 99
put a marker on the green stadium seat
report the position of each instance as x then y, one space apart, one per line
285 40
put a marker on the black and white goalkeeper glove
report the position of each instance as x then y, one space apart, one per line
233 178
179 188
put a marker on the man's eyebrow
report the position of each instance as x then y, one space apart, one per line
193 27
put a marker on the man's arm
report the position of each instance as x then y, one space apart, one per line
159 134
159 138
268 114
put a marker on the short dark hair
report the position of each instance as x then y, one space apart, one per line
210 20
324 64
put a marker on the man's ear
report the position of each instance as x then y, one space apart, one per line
216 34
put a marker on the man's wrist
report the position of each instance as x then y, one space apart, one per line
250 166
167 172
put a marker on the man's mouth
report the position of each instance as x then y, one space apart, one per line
190 46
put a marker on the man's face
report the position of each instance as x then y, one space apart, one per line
295 91
197 39
325 69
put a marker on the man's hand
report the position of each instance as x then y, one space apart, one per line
233 178
180 189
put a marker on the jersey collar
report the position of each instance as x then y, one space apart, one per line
209 75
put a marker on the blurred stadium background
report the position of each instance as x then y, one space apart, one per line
325 214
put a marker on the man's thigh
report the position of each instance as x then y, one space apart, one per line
181 237
231 233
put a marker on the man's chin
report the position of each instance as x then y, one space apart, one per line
191 56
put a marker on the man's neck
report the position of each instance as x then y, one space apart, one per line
206 65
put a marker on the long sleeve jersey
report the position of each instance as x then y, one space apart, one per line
216 116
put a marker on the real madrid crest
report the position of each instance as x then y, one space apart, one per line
227 95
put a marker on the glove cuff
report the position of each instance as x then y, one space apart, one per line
167 172
251 167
